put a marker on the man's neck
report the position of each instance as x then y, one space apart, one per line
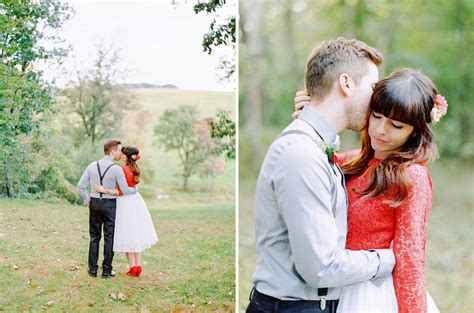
332 111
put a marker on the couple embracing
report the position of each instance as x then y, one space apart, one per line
116 206
347 232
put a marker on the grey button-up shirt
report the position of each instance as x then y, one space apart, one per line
113 177
301 219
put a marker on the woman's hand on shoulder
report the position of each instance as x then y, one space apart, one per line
301 99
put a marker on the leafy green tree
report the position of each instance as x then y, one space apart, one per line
219 33
182 129
97 98
23 97
223 128
222 32
25 26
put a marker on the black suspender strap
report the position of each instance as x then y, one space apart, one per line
322 292
101 177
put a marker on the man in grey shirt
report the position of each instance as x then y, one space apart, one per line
102 207
301 201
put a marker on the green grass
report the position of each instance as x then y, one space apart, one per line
43 258
449 257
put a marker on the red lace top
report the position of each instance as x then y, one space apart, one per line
373 224
129 177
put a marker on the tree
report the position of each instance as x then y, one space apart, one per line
251 106
25 26
220 33
223 128
182 129
23 97
210 168
97 97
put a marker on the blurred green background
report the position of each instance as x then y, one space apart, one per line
435 37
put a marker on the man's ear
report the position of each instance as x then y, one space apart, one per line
346 84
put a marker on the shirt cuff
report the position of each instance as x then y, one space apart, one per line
386 265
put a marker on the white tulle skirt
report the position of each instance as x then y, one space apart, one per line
134 230
366 297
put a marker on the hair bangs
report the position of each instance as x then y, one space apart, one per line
401 100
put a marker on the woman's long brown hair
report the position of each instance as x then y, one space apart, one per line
406 96
129 151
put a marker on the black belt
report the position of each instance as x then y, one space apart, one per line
288 304
105 199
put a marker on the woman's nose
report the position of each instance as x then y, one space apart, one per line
381 129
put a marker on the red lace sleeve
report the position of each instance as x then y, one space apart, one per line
409 243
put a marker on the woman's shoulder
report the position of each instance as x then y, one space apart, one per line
418 171
419 177
346 156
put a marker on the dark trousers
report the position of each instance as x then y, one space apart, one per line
101 213
260 303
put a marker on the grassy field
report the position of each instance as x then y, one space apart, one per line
44 246
138 130
43 261
449 257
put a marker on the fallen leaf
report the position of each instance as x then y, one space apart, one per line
51 302
113 296
121 296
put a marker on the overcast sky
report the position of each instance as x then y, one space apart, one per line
159 42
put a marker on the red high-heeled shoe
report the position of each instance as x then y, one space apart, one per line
139 271
132 271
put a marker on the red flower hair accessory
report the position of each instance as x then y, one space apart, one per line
136 157
440 108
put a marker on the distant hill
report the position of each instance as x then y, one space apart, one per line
146 85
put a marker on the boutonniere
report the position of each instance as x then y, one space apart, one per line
331 150
332 155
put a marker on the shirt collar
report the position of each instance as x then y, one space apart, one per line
316 120
108 158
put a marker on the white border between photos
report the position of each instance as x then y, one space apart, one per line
237 158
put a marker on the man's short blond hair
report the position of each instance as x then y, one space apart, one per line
111 144
332 58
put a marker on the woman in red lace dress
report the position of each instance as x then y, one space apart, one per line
390 191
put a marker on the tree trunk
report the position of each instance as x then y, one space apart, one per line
253 108
386 36
7 181
185 182
291 44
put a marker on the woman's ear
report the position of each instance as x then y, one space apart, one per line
346 84
413 133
